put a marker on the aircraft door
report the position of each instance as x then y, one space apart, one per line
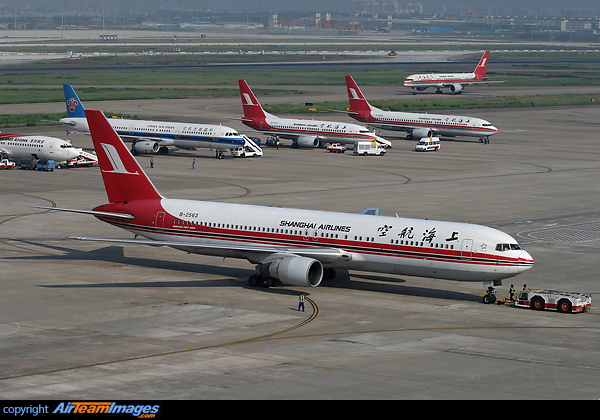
159 221
466 251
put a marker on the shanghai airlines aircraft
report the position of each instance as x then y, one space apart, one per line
303 133
454 81
156 136
296 247
416 124
15 146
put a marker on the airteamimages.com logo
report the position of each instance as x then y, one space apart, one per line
77 409
142 411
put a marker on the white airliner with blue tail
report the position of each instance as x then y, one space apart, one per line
158 136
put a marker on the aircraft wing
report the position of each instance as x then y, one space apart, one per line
5 152
253 253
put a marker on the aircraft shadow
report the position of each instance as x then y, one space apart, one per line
383 284
113 254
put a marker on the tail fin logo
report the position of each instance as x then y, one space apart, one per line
483 62
354 93
115 160
72 103
248 99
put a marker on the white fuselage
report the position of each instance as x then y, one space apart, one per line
445 125
426 248
325 131
181 135
439 79
40 147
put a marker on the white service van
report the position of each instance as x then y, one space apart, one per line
368 148
427 144
245 151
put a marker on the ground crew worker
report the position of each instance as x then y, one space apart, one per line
511 291
301 303
152 162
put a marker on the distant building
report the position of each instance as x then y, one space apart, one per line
575 26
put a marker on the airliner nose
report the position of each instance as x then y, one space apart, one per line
525 261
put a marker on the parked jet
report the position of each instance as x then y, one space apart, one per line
14 146
454 81
294 246
157 136
418 125
303 133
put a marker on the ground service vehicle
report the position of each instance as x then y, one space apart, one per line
552 299
6 164
336 148
427 144
368 148
245 151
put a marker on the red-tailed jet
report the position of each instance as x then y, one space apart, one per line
303 133
417 125
294 246
454 81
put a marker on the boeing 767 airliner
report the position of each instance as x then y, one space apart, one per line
294 246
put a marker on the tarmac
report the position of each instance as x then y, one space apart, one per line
85 320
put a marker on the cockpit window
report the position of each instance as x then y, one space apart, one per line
508 247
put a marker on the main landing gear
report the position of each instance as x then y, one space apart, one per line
258 280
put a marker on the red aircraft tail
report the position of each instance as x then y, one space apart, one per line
252 108
480 69
358 102
123 177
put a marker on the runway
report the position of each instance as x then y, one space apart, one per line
82 320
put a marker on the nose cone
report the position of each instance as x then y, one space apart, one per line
73 153
525 261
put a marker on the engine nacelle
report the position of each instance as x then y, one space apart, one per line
146 147
307 141
419 133
295 271
456 88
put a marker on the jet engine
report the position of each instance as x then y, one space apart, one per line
456 88
419 133
294 270
146 146
307 141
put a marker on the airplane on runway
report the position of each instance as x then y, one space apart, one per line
294 246
303 133
157 136
454 81
15 146
418 125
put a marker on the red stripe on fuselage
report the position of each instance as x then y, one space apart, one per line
273 239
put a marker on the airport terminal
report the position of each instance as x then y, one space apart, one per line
85 319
